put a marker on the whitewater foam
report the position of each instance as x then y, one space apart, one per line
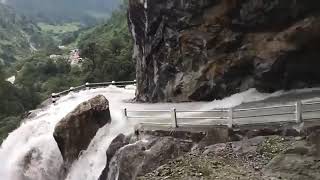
30 151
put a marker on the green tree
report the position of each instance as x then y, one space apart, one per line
108 50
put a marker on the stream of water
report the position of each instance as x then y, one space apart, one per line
30 151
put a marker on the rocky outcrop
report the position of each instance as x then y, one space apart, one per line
74 132
232 160
265 158
144 156
132 156
117 143
207 49
264 154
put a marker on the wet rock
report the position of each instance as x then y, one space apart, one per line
144 156
204 50
74 132
31 166
117 143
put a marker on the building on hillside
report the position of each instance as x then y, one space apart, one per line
74 57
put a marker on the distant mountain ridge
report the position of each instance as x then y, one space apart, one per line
19 36
59 11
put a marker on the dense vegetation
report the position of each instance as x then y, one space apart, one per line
14 102
18 36
43 76
106 49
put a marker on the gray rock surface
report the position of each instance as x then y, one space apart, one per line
208 49
117 143
75 131
144 156
259 158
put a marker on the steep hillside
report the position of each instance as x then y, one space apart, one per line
108 50
18 36
107 55
59 11
13 102
203 50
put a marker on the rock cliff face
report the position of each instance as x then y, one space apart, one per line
190 50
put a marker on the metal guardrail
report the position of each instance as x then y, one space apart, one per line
296 113
55 96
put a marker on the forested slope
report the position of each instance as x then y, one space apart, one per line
108 50
107 55
19 36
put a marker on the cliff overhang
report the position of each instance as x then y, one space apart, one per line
209 49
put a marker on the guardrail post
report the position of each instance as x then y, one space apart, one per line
298 112
174 118
113 82
87 85
71 89
230 117
125 114
53 98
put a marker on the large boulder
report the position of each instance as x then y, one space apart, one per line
144 156
208 49
120 141
74 132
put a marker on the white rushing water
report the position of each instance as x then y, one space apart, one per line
11 79
30 151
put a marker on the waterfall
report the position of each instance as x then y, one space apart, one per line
11 79
30 151
35 137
